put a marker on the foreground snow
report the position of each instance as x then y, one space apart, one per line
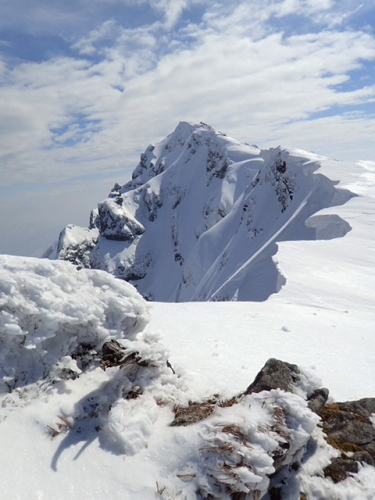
53 315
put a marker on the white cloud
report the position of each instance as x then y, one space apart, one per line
302 7
109 30
171 9
344 137
68 117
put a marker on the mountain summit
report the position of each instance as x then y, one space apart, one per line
201 218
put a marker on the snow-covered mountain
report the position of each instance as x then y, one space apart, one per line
105 395
201 218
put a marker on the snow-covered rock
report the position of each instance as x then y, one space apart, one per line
115 223
74 245
202 215
54 318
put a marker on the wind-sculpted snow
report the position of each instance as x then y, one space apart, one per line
202 215
55 318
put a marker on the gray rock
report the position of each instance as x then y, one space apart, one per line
339 469
354 431
194 412
74 245
318 399
364 407
364 457
275 374
349 423
370 448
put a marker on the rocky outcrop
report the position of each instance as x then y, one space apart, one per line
116 223
348 427
285 411
244 442
75 245
318 399
275 374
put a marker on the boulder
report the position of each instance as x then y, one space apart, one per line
275 374
349 425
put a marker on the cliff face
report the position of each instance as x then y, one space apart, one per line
201 218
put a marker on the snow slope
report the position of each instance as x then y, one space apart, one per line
201 218
322 319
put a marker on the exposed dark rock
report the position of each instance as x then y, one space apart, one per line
194 412
370 448
76 246
94 219
238 495
349 429
115 191
345 426
282 180
339 469
275 494
135 270
85 354
363 457
275 374
318 399
363 407
153 203
353 431
115 223
114 354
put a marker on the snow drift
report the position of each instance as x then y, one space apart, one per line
201 218
54 318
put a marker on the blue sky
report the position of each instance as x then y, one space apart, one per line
86 85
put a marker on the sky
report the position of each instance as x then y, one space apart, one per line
86 85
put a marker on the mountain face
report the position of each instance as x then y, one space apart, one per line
201 218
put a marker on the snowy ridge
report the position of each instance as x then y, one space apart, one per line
201 218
